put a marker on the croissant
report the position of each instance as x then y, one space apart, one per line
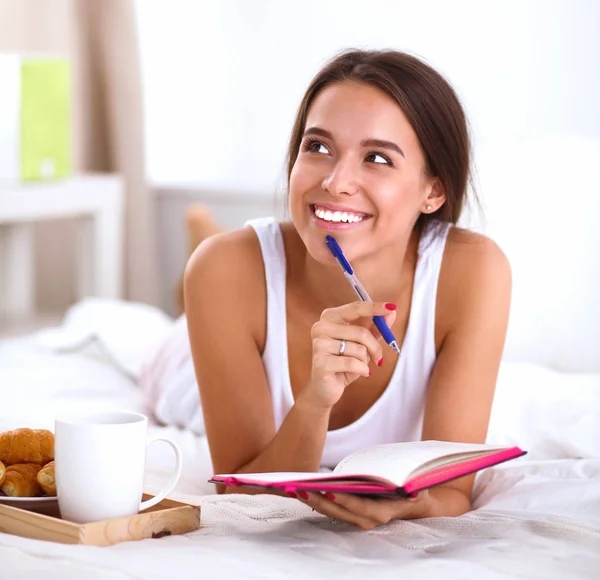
26 446
46 479
2 472
20 480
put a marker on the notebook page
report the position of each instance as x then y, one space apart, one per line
395 461
448 460
273 477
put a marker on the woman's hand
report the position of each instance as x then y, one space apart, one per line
364 512
332 370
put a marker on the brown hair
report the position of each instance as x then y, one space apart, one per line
429 103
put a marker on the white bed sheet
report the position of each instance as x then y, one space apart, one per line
536 524
537 517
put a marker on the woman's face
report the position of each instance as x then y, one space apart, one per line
359 175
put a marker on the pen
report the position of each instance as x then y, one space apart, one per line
363 295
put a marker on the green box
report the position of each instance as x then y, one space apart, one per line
35 117
45 119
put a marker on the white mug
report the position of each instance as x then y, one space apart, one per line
100 461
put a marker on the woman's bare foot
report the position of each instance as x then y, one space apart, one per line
199 225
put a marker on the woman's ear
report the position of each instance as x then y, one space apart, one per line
436 197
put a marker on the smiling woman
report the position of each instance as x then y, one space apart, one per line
379 158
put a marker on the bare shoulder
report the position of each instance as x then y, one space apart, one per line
225 306
217 254
475 253
475 275
226 273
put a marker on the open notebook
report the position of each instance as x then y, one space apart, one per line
401 469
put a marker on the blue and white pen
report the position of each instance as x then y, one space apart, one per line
363 295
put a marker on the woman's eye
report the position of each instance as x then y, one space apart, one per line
317 147
378 158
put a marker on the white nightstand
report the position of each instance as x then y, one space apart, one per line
98 199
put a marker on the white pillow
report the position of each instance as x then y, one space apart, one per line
124 334
550 414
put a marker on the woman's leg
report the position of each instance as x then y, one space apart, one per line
199 225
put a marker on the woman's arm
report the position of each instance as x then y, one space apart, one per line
225 304
474 299
226 311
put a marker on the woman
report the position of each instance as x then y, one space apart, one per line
293 375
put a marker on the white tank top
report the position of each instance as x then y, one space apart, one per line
398 413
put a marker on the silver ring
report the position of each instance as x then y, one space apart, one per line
342 347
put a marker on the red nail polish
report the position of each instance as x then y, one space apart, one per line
369 372
303 494
291 494
330 496
391 306
380 362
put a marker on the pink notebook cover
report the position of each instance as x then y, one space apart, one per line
411 487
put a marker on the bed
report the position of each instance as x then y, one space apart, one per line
538 517
535 517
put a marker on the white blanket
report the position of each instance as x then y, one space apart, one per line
536 517
541 521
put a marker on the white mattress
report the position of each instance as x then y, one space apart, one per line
537 517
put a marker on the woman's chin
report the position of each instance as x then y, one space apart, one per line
314 240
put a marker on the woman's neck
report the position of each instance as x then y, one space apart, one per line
386 277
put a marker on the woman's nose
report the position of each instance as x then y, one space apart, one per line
342 180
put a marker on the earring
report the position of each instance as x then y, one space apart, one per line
428 207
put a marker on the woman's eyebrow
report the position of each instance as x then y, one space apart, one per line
318 131
364 143
383 144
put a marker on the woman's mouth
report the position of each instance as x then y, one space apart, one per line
335 219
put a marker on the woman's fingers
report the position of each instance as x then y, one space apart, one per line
359 335
348 348
356 310
344 316
332 509
342 351
380 510
360 511
326 364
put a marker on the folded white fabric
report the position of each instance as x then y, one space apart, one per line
179 403
168 381
124 334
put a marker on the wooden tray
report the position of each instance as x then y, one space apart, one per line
164 519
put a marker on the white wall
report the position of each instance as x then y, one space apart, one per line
223 79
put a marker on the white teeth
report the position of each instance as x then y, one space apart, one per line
337 216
